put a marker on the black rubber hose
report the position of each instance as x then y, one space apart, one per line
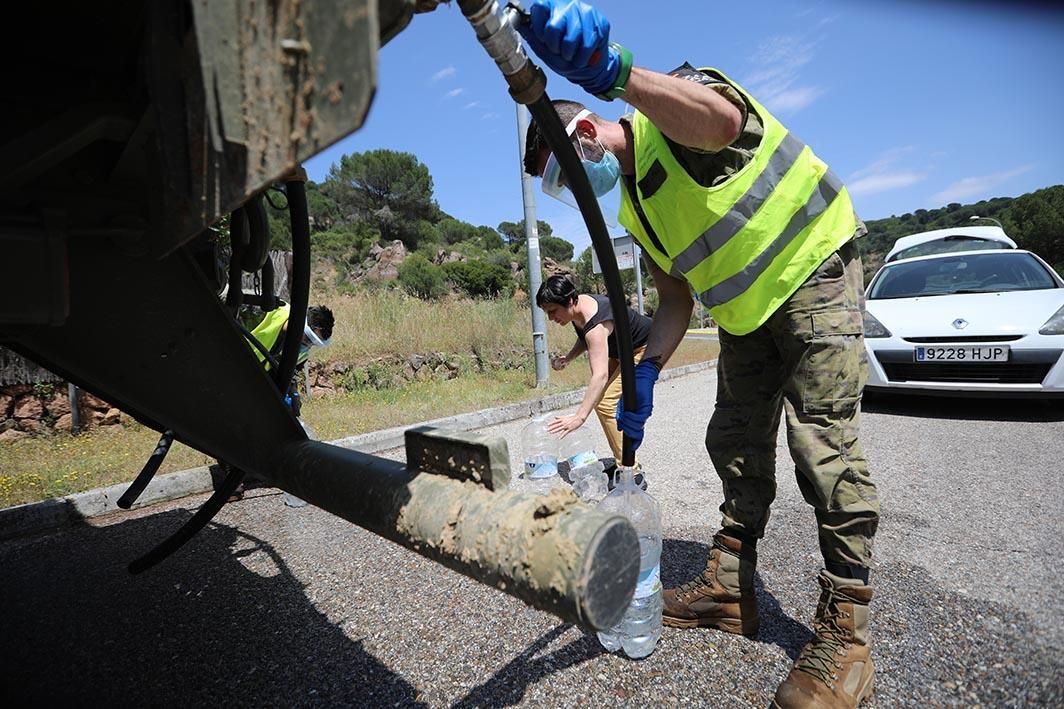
257 250
237 232
188 530
550 126
254 342
269 300
148 471
300 290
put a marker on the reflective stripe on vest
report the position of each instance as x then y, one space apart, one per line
745 244
825 193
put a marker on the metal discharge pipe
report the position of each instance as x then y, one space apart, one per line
495 30
551 551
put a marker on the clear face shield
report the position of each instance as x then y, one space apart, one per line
310 339
315 340
603 175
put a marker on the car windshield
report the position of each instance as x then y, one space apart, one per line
964 273
954 242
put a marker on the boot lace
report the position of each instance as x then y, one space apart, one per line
695 584
703 581
820 657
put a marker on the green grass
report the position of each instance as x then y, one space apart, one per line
368 325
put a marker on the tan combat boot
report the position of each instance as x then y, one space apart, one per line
722 596
835 668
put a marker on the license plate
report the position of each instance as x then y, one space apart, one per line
990 353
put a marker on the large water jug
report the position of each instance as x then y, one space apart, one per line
578 448
539 449
639 630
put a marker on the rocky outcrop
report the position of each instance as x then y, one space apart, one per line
27 409
382 263
443 256
394 371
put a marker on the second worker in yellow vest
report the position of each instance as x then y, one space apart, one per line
726 201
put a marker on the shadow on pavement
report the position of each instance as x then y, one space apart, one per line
507 687
964 408
683 560
199 629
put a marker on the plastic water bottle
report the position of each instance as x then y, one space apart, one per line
540 449
578 449
589 481
290 499
639 630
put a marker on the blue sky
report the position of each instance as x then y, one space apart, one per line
914 104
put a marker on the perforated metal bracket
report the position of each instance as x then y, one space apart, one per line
462 455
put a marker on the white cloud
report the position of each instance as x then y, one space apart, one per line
882 163
776 81
884 182
472 104
444 73
793 100
885 174
490 116
978 186
453 92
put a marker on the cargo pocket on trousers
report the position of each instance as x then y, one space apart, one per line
832 377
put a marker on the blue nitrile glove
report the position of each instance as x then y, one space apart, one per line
631 423
572 38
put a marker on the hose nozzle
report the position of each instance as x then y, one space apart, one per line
495 28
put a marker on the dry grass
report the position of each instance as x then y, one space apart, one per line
373 324
368 325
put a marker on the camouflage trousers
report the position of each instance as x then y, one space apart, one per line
809 360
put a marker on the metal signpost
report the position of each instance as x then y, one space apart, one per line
539 324
627 253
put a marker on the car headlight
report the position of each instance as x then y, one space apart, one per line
1054 325
874 328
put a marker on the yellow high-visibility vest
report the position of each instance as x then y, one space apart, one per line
745 245
267 331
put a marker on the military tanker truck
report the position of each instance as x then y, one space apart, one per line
132 127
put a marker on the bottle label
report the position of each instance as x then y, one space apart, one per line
649 582
540 468
581 459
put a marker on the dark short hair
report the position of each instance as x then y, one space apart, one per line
535 143
556 289
320 318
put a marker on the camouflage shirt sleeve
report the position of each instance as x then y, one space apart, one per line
710 168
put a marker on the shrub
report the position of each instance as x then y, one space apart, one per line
479 279
349 242
421 278
555 248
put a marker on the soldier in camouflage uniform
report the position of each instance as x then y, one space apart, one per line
724 200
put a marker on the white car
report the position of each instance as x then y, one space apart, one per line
965 311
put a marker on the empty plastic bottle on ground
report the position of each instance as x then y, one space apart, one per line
639 630
539 448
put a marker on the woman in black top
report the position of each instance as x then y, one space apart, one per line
592 318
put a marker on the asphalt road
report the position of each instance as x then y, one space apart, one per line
279 606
